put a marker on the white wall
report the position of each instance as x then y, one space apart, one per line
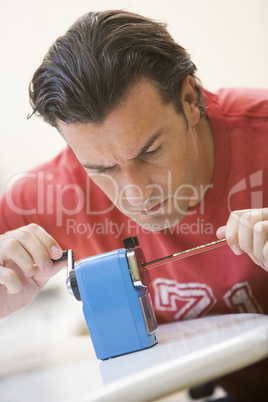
226 38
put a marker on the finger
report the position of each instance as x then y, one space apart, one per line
48 241
233 225
57 266
232 230
265 253
12 250
221 234
248 229
33 247
260 241
10 280
39 244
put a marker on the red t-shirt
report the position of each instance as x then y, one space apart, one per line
63 200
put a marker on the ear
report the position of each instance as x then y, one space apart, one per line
189 100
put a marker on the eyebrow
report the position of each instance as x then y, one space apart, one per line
144 149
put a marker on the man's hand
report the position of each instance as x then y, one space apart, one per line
25 266
247 231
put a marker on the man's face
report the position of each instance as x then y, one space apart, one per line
142 156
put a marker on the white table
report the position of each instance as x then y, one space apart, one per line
188 353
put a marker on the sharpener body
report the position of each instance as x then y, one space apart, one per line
119 315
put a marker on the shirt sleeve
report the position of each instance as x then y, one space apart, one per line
14 211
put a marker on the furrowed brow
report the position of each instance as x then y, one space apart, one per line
144 149
149 143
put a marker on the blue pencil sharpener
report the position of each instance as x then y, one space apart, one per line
116 304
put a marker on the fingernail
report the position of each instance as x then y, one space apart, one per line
48 267
55 252
237 250
30 273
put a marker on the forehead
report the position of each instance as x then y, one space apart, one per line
127 128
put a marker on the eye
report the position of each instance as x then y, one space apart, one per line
105 170
99 171
154 152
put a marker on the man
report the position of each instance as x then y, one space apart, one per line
144 158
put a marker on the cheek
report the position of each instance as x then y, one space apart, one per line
107 184
182 165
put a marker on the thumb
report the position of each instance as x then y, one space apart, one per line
221 232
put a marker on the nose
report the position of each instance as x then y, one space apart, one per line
135 195
137 186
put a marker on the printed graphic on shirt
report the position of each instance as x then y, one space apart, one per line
240 297
187 300
193 300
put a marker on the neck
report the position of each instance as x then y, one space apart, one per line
205 143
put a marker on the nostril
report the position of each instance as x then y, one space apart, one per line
135 201
134 194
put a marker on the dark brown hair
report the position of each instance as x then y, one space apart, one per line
87 71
